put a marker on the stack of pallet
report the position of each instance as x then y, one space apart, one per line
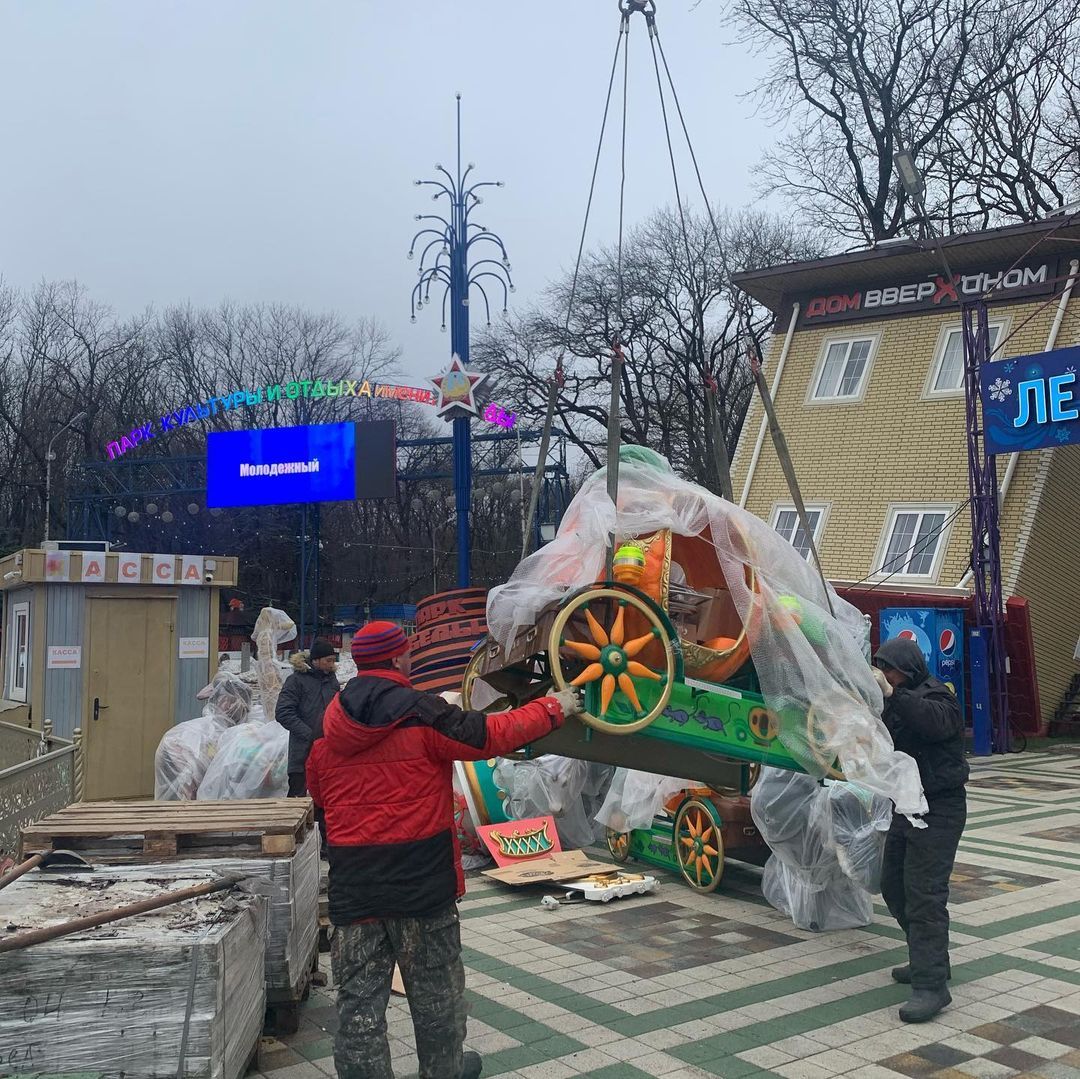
272 843
175 992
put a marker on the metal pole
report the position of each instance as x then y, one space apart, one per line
49 456
48 486
784 454
303 576
459 334
614 438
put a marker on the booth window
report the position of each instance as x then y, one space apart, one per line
786 522
948 369
915 539
842 372
19 657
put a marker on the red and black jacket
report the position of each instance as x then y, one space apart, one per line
382 775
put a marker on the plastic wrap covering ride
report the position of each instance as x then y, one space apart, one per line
714 650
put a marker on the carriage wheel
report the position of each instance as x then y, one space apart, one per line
699 846
468 682
613 675
618 845
830 763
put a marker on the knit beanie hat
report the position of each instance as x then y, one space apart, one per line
377 643
320 649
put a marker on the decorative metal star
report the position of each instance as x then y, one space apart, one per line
457 387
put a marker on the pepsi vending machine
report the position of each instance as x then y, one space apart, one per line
939 633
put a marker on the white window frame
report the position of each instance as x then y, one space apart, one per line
819 369
820 508
16 692
878 569
946 331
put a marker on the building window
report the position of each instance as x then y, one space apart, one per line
786 522
948 369
914 541
841 375
20 651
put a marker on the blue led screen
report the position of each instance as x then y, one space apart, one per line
316 463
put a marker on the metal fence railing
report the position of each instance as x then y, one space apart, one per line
39 774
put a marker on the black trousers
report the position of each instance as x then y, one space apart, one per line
297 785
915 883
428 953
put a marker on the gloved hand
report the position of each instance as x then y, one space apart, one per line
886 689
569 702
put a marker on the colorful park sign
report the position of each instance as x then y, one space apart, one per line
1031 402
308 389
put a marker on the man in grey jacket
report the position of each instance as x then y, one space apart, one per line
300 707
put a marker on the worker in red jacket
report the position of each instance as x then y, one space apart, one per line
382 776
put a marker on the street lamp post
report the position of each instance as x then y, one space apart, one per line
49 458
447 260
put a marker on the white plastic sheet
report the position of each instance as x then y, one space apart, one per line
251 762
811 664
634 798
561 787
186 750
272 629
827 844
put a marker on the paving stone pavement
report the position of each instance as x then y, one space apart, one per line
681 985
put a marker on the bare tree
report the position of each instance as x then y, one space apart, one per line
685 327
977 90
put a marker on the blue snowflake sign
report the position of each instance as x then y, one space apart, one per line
1031 402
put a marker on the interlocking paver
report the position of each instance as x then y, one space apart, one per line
685 986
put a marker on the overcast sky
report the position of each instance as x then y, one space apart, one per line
258 150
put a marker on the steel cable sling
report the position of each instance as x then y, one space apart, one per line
626 9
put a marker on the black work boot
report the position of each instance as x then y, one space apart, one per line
903 974
925 1004
472 1064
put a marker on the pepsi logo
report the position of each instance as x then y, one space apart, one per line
906 635
947 642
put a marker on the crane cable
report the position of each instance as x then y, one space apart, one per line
558 378
648 9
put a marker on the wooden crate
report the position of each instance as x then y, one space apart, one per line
163 831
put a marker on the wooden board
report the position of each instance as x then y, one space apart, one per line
132 831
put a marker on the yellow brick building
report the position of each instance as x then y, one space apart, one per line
866 368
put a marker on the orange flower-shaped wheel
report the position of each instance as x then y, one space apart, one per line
618 845
699 846
611 666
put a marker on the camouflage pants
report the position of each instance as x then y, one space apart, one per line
428 952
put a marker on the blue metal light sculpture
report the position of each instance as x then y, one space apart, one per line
455 268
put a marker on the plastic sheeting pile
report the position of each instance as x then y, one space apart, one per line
252 761
569 790
177 992
827 842
186 750
811 664
234 749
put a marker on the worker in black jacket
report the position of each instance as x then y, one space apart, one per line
301 704
924 719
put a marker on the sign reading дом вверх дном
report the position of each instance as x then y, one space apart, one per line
933 292
1031 402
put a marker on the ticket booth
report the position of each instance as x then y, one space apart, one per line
116 644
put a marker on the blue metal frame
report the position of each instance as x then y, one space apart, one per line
451 268
102 485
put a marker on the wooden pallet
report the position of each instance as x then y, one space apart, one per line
164 831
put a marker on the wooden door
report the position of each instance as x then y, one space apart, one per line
129 694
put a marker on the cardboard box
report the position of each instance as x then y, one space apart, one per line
561 866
